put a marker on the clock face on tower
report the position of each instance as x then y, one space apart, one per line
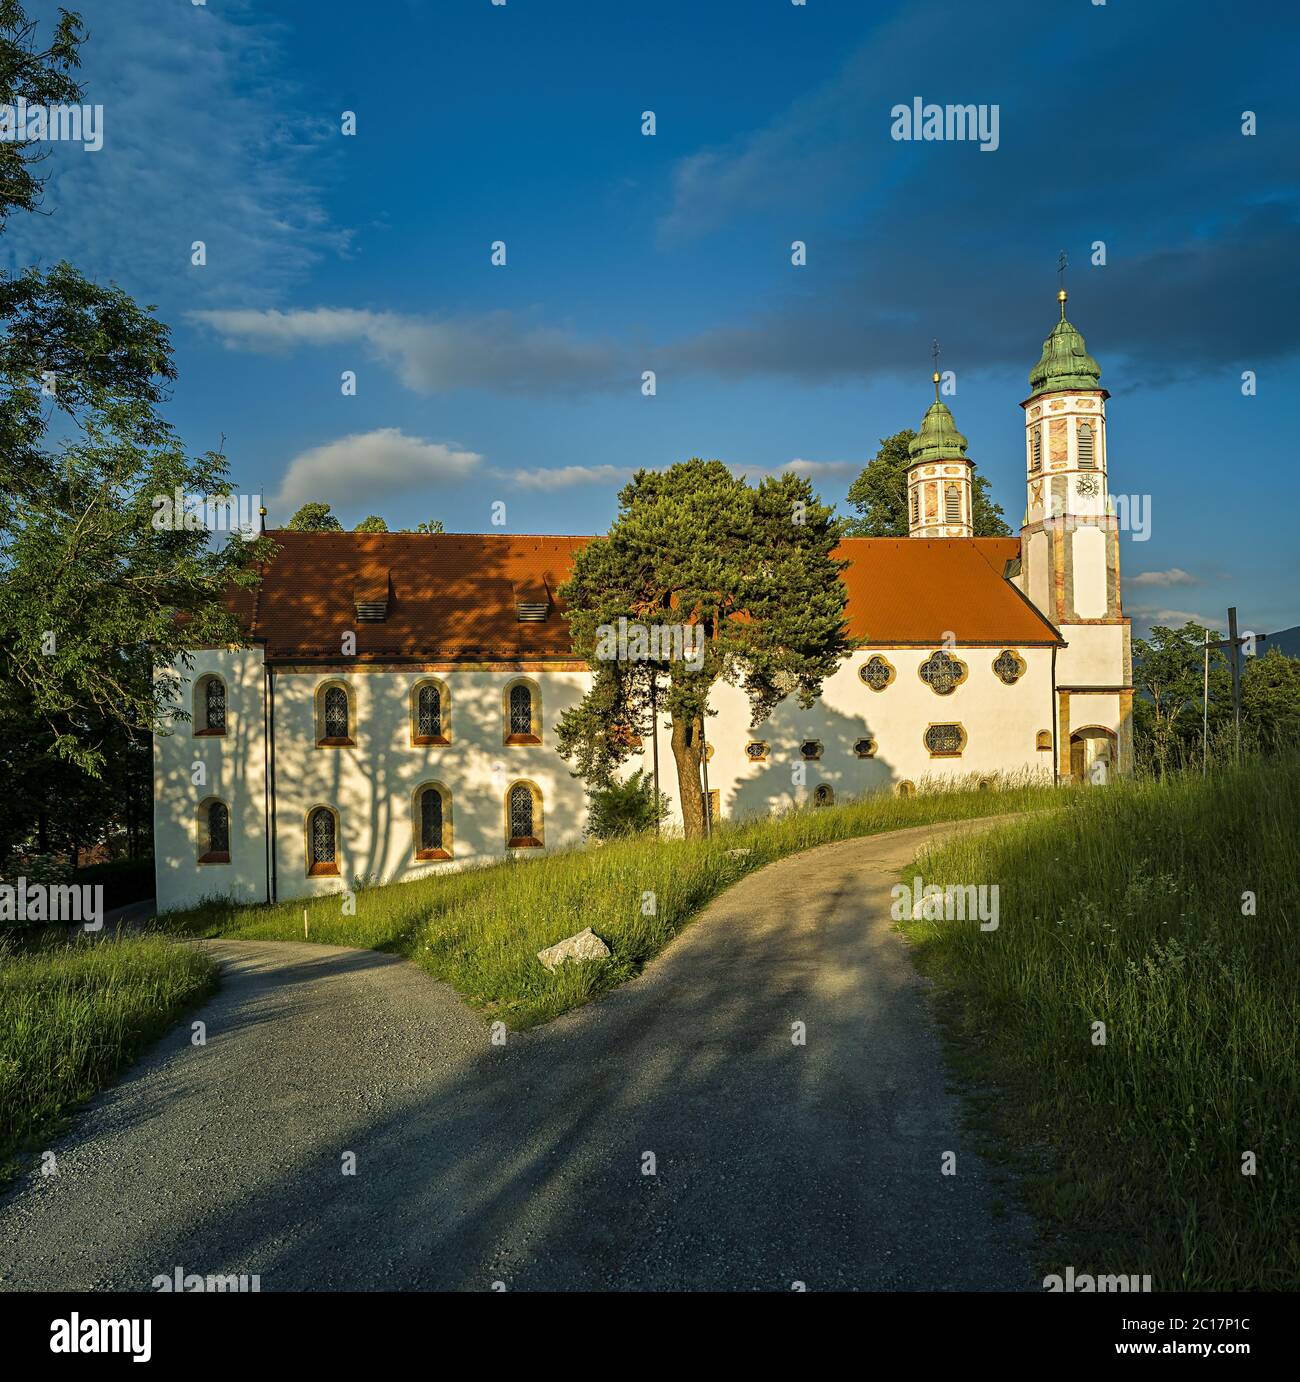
1087 486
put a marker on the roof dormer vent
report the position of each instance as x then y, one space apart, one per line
371 598
532 603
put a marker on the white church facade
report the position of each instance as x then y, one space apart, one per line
393 709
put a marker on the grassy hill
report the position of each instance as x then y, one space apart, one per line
1170 912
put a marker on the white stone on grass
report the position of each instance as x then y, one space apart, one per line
586 945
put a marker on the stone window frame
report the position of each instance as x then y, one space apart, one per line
814 757
423 856
763 747
905 788
324 741
870 751
889 666
1009 652
951 656
419 740
823 795
205 853
1043 741
323 869
945 724
537 840
199 720
533 738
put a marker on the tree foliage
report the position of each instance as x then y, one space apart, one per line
371 524
94 599
626 807
879 495
1169 711
695 547
315 518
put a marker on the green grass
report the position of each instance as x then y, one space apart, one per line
73 1014
1126 908
480 930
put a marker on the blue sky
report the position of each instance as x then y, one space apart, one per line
522 123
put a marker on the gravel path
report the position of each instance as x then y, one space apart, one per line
523 1164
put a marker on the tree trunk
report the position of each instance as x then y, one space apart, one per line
688 749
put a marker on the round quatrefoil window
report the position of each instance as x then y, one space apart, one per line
811 748
942 673
876 672
1008 667
864 748
756 750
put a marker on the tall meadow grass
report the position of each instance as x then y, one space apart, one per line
1169 912
73 1014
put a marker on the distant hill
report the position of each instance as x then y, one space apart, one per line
1285 641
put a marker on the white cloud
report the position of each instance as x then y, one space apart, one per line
1148 615
203 140
497 351
369 466
566 476
1174 576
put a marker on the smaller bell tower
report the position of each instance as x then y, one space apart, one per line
939 486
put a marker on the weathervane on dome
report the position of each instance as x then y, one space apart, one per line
934 355
1062 263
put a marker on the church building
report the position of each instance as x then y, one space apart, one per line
392 710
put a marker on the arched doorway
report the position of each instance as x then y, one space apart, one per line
1094 757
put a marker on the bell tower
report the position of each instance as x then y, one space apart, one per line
939 489
1069 554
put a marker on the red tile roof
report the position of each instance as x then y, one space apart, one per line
454 596
917 589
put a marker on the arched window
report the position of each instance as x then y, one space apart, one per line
1037 437
322 842
522 712
214 833
824 796
916 507
952 504
524 816
1085 444
906 789
429 713
432 822
210 706
335 715
214 697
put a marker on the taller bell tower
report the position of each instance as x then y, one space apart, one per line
1069 555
